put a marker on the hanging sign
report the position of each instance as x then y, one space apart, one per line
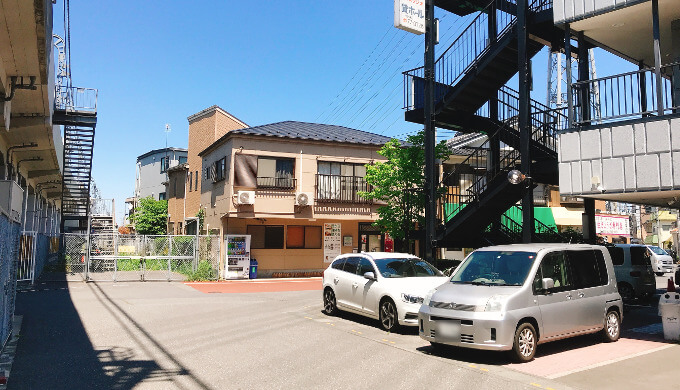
332 241
409 15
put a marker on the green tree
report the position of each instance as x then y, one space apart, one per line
151 216
399 182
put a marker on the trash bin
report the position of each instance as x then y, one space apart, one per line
669 309
252 274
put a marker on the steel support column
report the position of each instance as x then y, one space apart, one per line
567 67
430 135
524 125
657 57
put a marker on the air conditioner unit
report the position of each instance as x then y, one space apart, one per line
245 197
303 199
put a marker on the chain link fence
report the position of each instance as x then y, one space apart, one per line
9 252
114 257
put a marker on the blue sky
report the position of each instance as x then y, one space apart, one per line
157 62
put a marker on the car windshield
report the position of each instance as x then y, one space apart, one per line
405 267
657 250
494 268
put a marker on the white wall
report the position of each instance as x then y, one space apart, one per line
570 10
625 158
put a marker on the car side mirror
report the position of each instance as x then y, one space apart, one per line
547 284
369 276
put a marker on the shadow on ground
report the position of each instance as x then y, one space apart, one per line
55 352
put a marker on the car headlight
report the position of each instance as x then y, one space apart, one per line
428 296
408 298
496 303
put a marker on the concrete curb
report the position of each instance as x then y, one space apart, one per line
7 356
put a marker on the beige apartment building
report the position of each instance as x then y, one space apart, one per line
205 127
293 187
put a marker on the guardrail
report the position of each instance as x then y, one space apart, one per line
341 189
282 183
76 99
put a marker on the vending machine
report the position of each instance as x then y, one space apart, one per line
237 262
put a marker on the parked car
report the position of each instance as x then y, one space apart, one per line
516 297
662 262
633 268
381 285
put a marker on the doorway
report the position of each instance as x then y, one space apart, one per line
370 238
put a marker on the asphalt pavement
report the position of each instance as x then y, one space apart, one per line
163 335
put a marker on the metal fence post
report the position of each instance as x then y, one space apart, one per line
196 253
115 256
169 257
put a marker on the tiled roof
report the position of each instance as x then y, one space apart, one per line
460 143
309 131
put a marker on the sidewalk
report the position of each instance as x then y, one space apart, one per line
257 285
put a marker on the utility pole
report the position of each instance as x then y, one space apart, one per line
166 164
524 123
430 134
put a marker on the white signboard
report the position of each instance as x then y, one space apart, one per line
409 15
332 241
612 224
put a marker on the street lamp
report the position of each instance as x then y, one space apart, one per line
516 177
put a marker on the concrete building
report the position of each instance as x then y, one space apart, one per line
205 127
151 175
284 183
622 141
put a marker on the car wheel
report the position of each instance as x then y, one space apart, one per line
524 346
659 273
330 307
626 291
388 315
612 327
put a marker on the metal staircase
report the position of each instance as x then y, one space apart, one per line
76 110
471 95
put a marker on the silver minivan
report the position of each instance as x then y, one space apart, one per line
515 297
634 273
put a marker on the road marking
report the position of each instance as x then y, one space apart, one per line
309 318
484 369
472 365
561 374
536 385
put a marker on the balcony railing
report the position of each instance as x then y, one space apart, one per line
280 183
75 100
340 189
625 96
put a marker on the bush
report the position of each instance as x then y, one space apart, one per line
204 272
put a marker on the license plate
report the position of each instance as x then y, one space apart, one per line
448 329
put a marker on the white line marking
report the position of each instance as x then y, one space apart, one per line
561 374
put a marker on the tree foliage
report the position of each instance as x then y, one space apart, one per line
151 216
399 182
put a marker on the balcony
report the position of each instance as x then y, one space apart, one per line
632 95
75 106
340 189
278 183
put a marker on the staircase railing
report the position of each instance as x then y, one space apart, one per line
471 177
469 47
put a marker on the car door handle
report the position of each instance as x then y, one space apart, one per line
336 280
581 295
569 296
355 284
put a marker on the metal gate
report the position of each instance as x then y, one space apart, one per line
27 254
114 257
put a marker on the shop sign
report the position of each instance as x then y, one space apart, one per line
616 225
332 241
409 15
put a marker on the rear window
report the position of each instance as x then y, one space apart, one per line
617 255
639 255
586 268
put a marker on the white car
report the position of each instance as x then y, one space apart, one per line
381 285
662 262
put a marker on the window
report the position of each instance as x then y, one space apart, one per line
364 266
165 163
220 169
266 237
307 237
351 265
555 266
182 160
191 175
585 271
161 196
617 255
196 181
340 181
275 172
338 264
639 256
